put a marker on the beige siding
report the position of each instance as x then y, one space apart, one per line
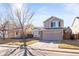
47 24
52 34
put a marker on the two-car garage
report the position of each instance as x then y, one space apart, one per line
52 34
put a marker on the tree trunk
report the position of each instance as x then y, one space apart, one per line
3 35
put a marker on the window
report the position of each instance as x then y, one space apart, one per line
53 25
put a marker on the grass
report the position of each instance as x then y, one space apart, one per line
21 43
69 45
17 42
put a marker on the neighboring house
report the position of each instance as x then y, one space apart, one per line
37 32
14 31
29 29
18 31
10 30
75 28
6 30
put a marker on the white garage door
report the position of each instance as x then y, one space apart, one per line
52 35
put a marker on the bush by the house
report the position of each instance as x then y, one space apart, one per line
29 35
72 37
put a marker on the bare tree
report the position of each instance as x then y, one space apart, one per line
3 23
21 17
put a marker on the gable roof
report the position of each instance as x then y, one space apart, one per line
74 20
51 18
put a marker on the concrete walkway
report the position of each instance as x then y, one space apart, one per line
52 47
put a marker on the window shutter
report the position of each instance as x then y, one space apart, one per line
51 24
59 24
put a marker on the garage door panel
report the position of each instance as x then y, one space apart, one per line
50 35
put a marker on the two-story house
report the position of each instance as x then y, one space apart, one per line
53 29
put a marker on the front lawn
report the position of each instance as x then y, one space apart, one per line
17 41
21 43
69 44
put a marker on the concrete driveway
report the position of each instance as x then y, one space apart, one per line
47 44
50 48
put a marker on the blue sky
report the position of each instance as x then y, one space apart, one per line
43 11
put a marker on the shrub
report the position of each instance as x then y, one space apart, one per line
29 35
72 37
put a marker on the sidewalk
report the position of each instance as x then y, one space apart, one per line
52 47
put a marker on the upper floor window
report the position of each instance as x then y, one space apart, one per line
55 24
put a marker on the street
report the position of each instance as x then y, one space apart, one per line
15 50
